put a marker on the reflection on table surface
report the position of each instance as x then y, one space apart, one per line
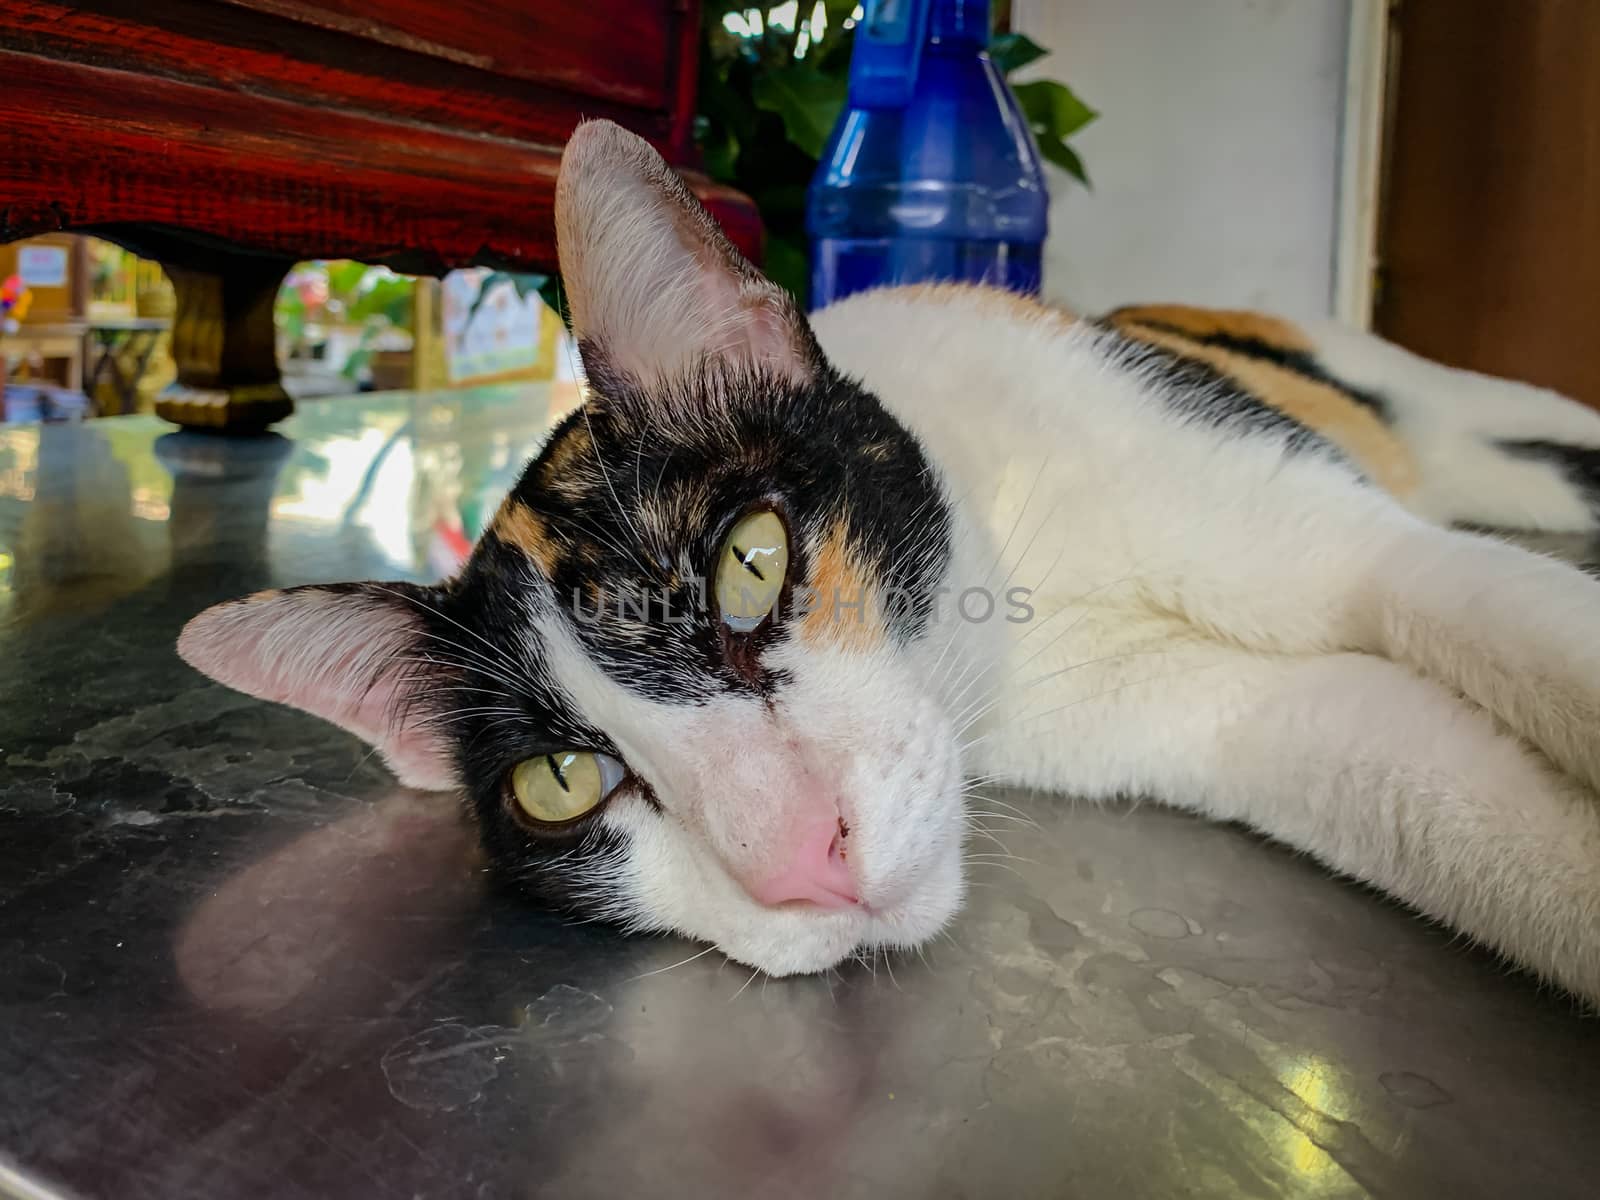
241 961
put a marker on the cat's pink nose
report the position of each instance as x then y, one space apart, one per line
817 874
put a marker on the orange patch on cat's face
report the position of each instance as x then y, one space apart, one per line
562 459
518 525
846 615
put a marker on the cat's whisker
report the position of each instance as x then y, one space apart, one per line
1072 602
976 710
889 967
1089 662
747 983
605 474
1113 691
663 970
424 686
968 717
474 659
987 834
996 856
971 782
962 722
913 527
606 539
444 718
998 816
638 464
1061 553
1003 804
1017 524
1022 557
498 651
655 491
939 677
499 667
1001 866
989 814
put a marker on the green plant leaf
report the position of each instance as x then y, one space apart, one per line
1013 51
386 298
1054 113
1052 108
344 277
725 101
1065 157
720 150
768 115
788 266
807 101
361 356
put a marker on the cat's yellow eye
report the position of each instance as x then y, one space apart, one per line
751 570
553 789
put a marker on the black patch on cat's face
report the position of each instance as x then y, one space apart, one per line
632 498
637 491
481 681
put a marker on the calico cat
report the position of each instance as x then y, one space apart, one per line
741 635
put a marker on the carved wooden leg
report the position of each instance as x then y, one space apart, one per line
223 343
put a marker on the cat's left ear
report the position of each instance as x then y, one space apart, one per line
347 653
653 284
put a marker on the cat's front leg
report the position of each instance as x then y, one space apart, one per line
1376 772
1312 561
1517 632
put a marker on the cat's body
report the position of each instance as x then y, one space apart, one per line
1150 555
1228 616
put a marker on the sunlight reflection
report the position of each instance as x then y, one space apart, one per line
19 456
387 511
1314 1081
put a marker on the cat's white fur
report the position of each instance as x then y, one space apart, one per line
1218 623
853 730
1265 637
1252 634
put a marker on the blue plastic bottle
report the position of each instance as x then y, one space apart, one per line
931 173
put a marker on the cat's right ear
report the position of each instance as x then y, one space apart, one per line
346 653
653 284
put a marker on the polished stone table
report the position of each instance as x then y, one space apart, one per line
237 960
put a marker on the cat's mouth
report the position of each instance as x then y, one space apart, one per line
901 905
818 941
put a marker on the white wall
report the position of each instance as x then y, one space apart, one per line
1215 161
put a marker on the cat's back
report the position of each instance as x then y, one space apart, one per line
949 360
1280 365
945 351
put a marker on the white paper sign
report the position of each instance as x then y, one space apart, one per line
498 336
42 266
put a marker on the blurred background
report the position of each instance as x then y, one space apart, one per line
1426 168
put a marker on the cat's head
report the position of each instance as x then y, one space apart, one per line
690 676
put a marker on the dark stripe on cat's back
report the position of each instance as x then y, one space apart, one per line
1301 362
1199 391
1580 465
1267 364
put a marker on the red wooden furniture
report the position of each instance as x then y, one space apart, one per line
230 138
